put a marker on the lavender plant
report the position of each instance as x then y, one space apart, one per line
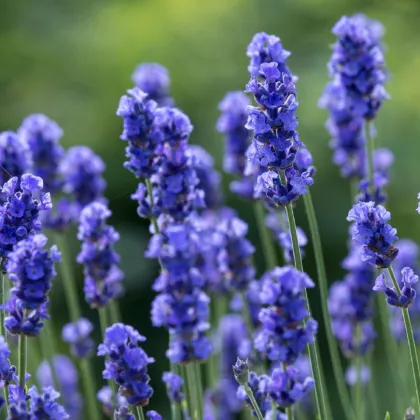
251 332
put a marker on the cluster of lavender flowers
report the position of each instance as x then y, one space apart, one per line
260 323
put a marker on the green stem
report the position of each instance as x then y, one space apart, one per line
410 338
6 397
254 403
372 394
199 384
140 413
266 241
2 301
187 388
114 311
289 413
323 289
150 193
358 401
103 320
70 289
370 148
86 372
22 359
191 385
312 350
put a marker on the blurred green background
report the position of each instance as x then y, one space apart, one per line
72 60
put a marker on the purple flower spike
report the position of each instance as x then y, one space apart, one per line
31 269
174 384
286 387
44 405
372 231
77 334
408 293
43 136
283 335
153 79
102 275
153 415
15 157
21 201
127 363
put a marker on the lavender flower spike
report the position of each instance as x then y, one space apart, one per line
372 231
15 157
30 267
408 293
21 202
127 363
77 334
153 79
43 136
102 275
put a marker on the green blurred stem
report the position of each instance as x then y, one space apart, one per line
370 148
103 320
190 383
199 384
114 311
22 359
140 413
265 238
410 338
313 354
358 400
48 350
323 290
70 290
254 403
75 312
6 398
150 193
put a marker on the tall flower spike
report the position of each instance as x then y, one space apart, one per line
283 336
68 381
358 66
372 231
15 158
127 363
208 178
44 406
7 371
173 385
43 136
21 201
350 304
286 387
138 114
153 79
231 123
77 334
408 293
102 275
30 267
82 171
407 257
275 138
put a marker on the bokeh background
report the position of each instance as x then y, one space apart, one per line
72 60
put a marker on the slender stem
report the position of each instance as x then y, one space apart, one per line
323 289
192 390
22 359
185 412
372 394
103 320
114 311
410 338
187 388
140 413
6 397
246 313
150 193
370 148
86 372
264 234
199 384
254 403
70 288
358 402
289 413
313 356
2 301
